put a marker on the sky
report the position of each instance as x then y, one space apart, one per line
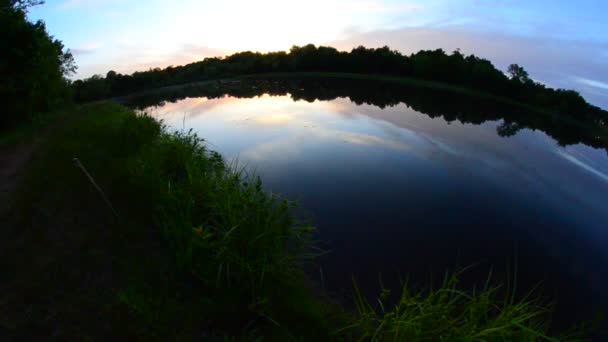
563 44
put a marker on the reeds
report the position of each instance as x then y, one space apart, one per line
450 313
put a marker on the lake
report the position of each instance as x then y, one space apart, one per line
412 182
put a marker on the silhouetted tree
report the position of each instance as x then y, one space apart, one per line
508 129
22 5
518 73
33 64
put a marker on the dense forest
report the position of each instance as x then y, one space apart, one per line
33 64
455 68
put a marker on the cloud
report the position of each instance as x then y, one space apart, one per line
583 165
291 145
85 49
72 4
191 52
133 58
555 62
593 83
382 7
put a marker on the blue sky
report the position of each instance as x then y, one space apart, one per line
561 43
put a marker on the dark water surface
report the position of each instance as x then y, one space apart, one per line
400 191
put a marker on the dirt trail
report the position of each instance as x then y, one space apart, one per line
13 160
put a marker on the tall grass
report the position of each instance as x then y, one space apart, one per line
225 230
220 223
449 313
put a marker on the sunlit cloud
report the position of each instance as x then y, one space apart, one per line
287 148
86 49
133 58
263 105
177 114
274 119
165 33
275 24
367 139
291 146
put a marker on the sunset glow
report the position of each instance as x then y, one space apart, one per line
562 45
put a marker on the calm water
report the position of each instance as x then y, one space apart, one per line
396 191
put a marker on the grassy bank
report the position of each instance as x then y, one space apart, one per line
124 230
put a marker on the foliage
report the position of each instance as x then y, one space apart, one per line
431 65
33 65
518 73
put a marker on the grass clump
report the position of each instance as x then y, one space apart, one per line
449 313
221 226
219 221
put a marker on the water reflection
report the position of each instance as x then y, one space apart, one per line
449 105
417 187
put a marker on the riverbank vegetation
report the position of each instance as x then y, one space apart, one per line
454 69
165 240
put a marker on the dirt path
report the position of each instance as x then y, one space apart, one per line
13 160
58 257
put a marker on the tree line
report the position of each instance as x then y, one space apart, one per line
34 66
431 65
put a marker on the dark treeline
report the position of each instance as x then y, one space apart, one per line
449 105
33 65
455 68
